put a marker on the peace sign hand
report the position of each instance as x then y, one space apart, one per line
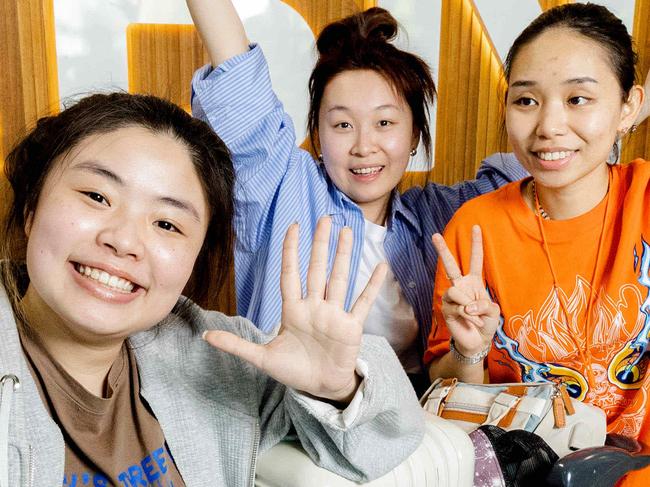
318 343
471 316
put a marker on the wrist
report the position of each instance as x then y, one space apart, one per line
344 397
468 358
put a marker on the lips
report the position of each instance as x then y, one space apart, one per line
111 281
554 160
366 171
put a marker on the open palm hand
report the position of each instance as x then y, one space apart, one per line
318 343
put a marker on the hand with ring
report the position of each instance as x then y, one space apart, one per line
471 316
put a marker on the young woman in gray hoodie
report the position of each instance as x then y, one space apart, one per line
118 205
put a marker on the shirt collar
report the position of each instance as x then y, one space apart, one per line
398 208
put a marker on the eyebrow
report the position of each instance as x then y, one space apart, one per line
346 109
101 170
572 81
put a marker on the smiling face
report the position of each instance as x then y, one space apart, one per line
114 237
366 134
564 110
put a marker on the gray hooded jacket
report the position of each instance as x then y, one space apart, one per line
216 411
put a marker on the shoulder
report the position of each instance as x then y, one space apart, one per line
634 176
486 205
188 321
638 167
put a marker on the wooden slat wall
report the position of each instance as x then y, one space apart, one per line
470 92
317 14
29 81
548 4
638 144
162 59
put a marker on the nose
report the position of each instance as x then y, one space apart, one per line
121 235
364 143
552 121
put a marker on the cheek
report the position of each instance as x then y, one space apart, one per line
518 130
173 265
54 232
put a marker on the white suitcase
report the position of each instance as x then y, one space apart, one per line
444 459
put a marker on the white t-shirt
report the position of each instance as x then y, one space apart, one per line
391 316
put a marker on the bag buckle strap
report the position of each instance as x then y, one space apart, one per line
504 408
435 401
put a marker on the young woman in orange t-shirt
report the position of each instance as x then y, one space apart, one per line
555 283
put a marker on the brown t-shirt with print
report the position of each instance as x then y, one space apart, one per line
112 440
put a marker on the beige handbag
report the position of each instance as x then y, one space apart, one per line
543 408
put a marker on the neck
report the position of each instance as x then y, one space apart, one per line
376 211
87 359
563 203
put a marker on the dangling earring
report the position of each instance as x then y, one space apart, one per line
615 153
413 152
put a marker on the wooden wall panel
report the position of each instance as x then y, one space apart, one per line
162 59
470 90
548 4
317 14
638 144
29 81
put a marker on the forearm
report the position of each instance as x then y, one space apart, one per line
447 366
220 28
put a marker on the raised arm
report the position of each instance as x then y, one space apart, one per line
220 28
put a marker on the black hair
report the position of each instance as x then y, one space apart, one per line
363 41
33 158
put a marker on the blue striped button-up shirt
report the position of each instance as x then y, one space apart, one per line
279 183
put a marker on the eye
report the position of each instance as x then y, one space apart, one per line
525 101
578 100
96 197
167 226
343 125
385 123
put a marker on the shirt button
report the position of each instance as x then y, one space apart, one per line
411 284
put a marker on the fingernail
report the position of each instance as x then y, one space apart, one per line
204 334
471 308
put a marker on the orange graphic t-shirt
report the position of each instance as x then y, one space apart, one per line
599 350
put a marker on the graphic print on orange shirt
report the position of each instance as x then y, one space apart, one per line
551 337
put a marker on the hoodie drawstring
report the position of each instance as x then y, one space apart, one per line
8 385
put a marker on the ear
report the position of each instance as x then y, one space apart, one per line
415 141
631 108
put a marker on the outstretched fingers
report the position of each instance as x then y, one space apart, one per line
447 258
366 299
338 282
290 287
317 273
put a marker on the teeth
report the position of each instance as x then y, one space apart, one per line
553 156
105 278
367 170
